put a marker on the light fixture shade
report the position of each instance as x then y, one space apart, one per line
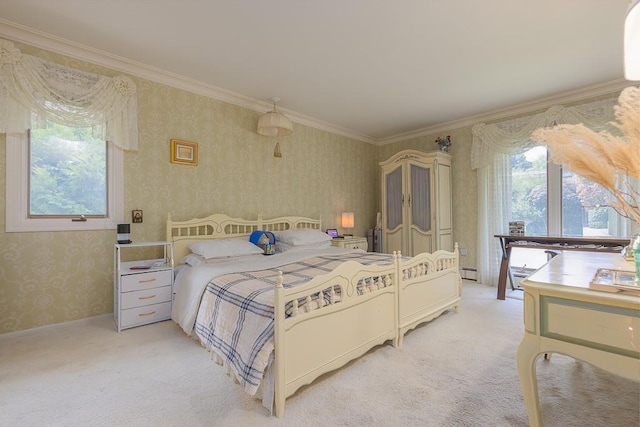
347 220
632 42
274 123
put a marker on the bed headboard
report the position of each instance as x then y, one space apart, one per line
220 226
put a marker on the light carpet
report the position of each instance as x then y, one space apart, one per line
458 370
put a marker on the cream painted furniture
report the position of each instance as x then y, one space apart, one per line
351 243
414 291
142 296
562 315
416 202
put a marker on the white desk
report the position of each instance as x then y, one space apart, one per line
562 315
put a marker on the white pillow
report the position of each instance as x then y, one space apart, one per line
192 260
218 248
301 236
285 247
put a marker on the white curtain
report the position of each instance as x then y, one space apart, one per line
491 151
32 87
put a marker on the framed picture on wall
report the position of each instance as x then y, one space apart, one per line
184 152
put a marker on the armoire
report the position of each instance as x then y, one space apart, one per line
416 202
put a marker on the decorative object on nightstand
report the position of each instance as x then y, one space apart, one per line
123 234
332 232
351 243
142 289
347 222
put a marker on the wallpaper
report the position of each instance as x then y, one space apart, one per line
48 278
54 277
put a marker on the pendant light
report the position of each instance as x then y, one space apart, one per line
632 42
274 123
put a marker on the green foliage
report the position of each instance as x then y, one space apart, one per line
68 172
581 199
529 197
572 211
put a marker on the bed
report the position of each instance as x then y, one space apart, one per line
308 311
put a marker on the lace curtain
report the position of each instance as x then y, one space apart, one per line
493 145
32 87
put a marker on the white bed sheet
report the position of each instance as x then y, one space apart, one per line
191 282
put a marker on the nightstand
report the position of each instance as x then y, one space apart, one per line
142 289
351 243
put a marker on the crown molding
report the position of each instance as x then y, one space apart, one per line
515 110
26 35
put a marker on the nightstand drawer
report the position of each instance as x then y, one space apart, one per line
149 279
146 297
351 243
356 245
147 314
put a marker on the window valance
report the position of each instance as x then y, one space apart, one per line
30 85
514 136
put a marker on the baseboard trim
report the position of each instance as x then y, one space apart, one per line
23 332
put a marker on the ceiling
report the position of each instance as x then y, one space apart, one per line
372 69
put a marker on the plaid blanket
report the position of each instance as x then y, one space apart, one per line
236 316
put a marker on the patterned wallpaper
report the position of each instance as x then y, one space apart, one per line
53 277
48 278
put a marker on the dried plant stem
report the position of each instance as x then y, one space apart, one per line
608 160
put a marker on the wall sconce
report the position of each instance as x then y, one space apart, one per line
274 123
347 222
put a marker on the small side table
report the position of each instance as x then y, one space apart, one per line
351 243
142 289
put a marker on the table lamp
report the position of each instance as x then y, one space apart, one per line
347 222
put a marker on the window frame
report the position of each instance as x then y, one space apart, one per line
17 191
555 177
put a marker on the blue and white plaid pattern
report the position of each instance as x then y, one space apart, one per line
236 321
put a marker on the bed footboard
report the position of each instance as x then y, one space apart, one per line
330 321
430 284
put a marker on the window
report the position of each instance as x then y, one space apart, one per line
57 174
554 201
67 173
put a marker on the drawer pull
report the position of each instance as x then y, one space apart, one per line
147 314
149 297
147 281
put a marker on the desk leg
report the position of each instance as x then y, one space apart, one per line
504 270
502 279
527 355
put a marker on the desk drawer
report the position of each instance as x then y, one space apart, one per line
146 297
146 314
602 327
146 280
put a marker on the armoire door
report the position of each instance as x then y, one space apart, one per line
393 198
419 203
416 202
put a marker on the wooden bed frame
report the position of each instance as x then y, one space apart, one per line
396 298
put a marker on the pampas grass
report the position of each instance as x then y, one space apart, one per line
606 159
